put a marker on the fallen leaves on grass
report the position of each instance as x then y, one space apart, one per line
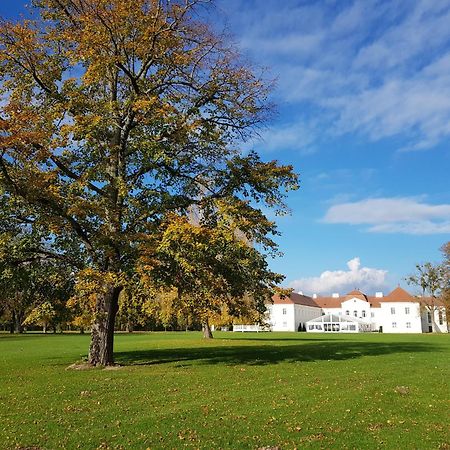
28 448
402 390
80 366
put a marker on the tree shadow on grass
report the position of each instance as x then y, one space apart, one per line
266 354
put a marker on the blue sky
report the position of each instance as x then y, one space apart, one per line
364 116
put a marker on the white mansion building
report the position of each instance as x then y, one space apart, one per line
397 312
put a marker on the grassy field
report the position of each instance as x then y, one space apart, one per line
176 390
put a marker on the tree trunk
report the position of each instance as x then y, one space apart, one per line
207 333
12 323
433 323
18 322
102 331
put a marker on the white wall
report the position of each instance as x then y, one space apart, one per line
282 317
395 317
288 317
434 315
357 308
304 313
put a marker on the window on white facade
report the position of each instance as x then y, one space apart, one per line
406 310
363 313
441 318
352 327
355 313
284 324
347 313
408 324
372 314
284 311
392 310
394 324
429 317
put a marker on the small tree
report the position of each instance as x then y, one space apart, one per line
212 268
429 278
41 315
445 296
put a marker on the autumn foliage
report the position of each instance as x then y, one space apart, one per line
119 118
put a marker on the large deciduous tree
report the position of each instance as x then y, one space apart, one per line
118 116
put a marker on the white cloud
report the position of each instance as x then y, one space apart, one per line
369 66
418 228
366 279
299 137
393 215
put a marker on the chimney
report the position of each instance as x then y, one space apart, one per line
314 295
378 294
335 295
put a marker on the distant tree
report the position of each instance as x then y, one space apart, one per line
32 267
42 315
445 296
429 278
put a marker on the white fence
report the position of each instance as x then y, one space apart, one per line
244 328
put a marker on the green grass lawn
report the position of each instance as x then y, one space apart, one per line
176 390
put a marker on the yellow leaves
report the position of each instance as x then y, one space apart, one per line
283 292
145 104
41 315
85 126
19 38
91 284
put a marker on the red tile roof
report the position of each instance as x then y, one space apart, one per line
399 295
356 293
329 302
335 302
375 302
294 298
